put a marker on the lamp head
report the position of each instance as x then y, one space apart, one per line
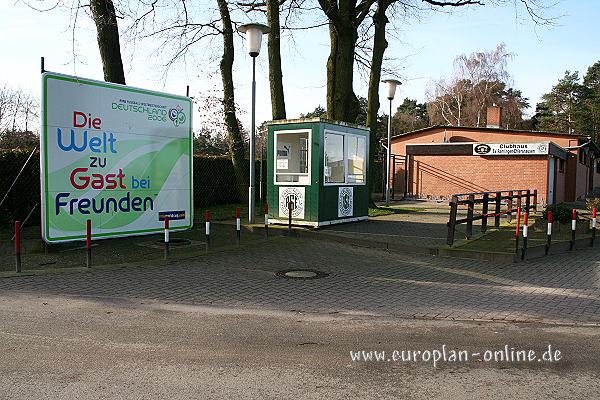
391 87
254 32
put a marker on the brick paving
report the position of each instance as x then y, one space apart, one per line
563 289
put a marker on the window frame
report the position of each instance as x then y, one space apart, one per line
345 135
309 159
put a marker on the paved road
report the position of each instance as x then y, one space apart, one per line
225 326
361 281
56 347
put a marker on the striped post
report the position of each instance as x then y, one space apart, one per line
207 228
573 227
166 243
525 234
518 223
549 232
266 211
238 225
593 227
88 243
18 246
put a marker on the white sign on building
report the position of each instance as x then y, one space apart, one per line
294 195
510 149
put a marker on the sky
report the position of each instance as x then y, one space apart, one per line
420 50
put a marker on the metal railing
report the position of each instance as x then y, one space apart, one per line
511 199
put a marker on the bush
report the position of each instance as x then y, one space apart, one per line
593 202
560 213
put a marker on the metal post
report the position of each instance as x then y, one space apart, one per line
18 246
509 204
406 160
290 232
88 243
266 211
549 233
252 154
518 222
42 66
497 211
452 221
187 91
573 227
593 227
388 157
484 211
535 200
238 225
525 233
207 228
528 201
166 238
470 209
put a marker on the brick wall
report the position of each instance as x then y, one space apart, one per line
569 185
442 176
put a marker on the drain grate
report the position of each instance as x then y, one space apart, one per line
302 274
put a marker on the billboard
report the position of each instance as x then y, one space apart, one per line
510 149
116 155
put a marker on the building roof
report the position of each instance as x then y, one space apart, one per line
314 119
502 130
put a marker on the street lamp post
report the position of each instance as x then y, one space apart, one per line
254 32
391 91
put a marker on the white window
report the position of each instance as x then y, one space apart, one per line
335 168
344 158
356 159
292 157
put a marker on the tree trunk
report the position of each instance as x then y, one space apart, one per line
103 12
234 137
342 103
379 45
275 74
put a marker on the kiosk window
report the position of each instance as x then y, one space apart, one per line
334 158
292 157
356 159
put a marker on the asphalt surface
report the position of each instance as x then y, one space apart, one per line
225 325
75 348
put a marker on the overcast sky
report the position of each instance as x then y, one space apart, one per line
423 50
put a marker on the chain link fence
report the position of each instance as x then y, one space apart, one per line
214 184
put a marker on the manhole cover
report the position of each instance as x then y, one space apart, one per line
301 274
176 242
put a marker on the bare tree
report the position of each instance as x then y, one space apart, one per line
105 18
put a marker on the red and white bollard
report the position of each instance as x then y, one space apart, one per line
166 237
88 243
549 242
593 226
266 211
518 223
525 234
18 246
207 228
573 227
238 225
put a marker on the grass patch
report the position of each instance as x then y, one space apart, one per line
382 211
502 240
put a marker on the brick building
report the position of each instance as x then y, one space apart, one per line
444 160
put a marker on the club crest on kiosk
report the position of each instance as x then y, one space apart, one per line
295 195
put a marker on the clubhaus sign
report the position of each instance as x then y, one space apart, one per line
116 155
